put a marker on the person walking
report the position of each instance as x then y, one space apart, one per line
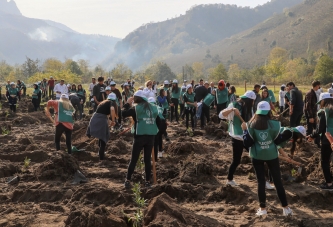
175 94
60 89
221 97
51 84
144 115
241 108
282 94
310 110
190 107
100 123
261 135
99 92
13 94
325 116
296 105
63 120
36 94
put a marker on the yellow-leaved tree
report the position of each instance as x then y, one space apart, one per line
66 75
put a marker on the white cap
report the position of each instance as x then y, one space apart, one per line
126 84
151 100
108 88
174 81
12 83
188 86
301 130
112 83
64 96
141 94
206 82
68 85
166 82
283 85
262 87
183 87
92 100
112 96
323 96
263 108
141 88
249 95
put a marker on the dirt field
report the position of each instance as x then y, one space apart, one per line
190 191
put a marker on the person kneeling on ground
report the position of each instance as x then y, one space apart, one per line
261 135
100 122
144 115
63 120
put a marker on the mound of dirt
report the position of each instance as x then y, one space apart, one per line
100 217
119 147
314 170
215 118
217 130
284 120
32 118
184 147
7 169
227 193
163 211
60 165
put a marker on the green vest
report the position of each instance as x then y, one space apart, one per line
35 94
236 122
222 96
329 122
13 91
271 95
182 95
81 93
283 144
190 98
166 88
7 87
65 116
146 120
288 96
264 147
268 99
209 99
229 98
175 95
160 112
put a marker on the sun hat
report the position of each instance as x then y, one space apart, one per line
263 108
249 95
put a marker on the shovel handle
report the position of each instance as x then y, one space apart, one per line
284 112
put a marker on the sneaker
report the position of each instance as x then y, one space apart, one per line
287 212
269 186
324 186
261 212
147 184
232 183
127 184
160 155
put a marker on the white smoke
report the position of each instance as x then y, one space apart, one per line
47 34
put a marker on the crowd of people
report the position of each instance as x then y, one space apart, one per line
152 108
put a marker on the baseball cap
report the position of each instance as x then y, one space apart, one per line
175 81
283 85
64 96
112 83
263 108
141 94
301 130
166 82
249 95
323 96
112 96
206 82
262 87
188 86
151 100
108 88
125 84
68 85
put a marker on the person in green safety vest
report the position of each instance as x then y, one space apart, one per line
181 102
325 116
221 97
12 95
81 93
73 89
265 97
206 103
162 101
241 108
175 94
287 101
8 85
21 86
63 120
270 92
262 135
144 115
232 94
190 106
36 95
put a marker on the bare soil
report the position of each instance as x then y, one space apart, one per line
190 191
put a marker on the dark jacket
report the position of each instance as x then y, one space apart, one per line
200 93
296 99
256 101
321 129
99 92
310 104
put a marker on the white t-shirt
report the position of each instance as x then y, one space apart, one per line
330 90
230 118
281 97
60 88
149 93
91 87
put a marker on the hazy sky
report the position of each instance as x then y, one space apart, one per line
113 17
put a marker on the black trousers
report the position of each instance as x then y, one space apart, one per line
119 115
295 118
274 169
237 151
51 92
141 142
204 114
190 111
326 153
35 102
182 113
158 142
60 129
285 107
281 109
174 109
101 151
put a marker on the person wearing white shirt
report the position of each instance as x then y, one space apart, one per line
60 89
148 91
282 95
330 90
91 86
